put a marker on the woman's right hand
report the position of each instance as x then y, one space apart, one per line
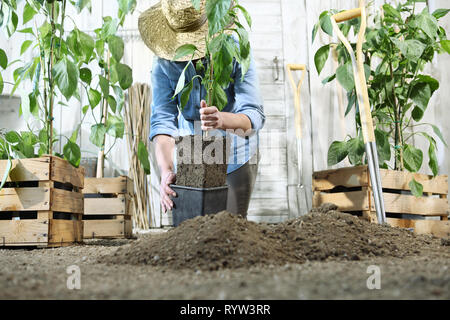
165 192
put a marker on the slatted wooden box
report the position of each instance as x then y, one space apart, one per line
107 203
350 190
42 203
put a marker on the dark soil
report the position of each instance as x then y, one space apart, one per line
226 241
201 168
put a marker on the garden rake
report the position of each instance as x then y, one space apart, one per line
363 101
301 191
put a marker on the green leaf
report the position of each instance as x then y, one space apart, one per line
440 13
247 16
81 4
428 24
112 103
2 85
109 27
87 45
433 161
3 59
104 85
66 75
25 45
180 83
6 173
356 150
86 75
416 188
72 153
412 158
383 146
116 45
420 95
125 75
438 132
185 94
184 50
220 99
412 49
345 76
13 137
28 13
314 32
217 14
115 126
143 157
446 45
97 136
85 109
337 152
390 11
434 84
325 23
94 97
321 58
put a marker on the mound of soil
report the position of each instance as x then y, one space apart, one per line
224 240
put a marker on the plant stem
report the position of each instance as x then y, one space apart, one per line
397 134
51 85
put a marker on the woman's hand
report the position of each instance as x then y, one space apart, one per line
167 178
211 117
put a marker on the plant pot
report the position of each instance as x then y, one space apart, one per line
192 202
350 189
202 163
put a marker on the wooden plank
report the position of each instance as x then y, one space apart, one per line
407 204
106 206
23 232
345 177
433 227
67 201
346 201
107 185
62 231
105 228
25 199
400 180
62 171
28 169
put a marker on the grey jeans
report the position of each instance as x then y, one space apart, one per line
240 187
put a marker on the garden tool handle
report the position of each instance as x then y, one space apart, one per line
347 15
297 89
358 67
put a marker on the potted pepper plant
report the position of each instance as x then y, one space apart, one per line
201 159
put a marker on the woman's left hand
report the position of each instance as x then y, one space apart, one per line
211 117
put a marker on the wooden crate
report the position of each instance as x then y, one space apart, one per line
350 190
107 208
42 203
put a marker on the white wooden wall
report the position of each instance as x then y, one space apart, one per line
282 29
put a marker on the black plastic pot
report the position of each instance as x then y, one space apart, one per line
192 202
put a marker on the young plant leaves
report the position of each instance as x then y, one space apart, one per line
416 188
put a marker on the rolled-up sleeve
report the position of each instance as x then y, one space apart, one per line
248 97
164 116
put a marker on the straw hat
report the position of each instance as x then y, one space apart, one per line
172 23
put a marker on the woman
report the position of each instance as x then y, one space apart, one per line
164 28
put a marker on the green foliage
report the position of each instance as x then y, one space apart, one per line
143 157
62 65
398 48
221 51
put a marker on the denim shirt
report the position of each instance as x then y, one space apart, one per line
243 97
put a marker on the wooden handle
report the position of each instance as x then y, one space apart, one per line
296 67
297 90
347 15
